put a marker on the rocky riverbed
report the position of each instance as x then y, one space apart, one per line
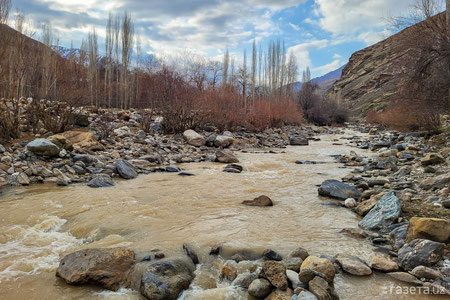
397 190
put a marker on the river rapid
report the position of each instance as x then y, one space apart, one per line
42 223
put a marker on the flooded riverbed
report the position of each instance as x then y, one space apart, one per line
41 223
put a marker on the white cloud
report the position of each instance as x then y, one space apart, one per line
328 67
295 27
351 16
301 52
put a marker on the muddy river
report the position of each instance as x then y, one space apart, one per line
41 223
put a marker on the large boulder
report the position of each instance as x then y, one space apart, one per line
125 169
107 268
43 147
353 265
100 181
295 140
226 156
83 140
275 272
223 141
384 213
432 159
420 252
321 265
193 138
434 229
166 279
338 190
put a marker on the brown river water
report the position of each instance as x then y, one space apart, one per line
41 223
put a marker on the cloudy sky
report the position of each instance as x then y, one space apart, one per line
321 33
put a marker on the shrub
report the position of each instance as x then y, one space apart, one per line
326 111
146 119
105 125
55 116
9 120
411 111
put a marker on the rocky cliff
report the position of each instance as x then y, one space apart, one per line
373 76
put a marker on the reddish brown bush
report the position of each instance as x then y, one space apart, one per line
411 111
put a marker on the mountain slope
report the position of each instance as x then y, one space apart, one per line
374 75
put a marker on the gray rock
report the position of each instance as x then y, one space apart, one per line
295 140
125 169
260 288
2 149
353 265
223 141
425 272
233 168
405 277
384 213
141 135
338 190
420 252
43 147
100 180
23 179
85 158
193 138
166 279
191 253
305 295
293 263
446 203
244 280
269 254
172 169
226 156
299 252
62 182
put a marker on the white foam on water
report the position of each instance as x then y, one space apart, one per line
221 293
120 294
30 250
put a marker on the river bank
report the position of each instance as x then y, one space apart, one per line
134 214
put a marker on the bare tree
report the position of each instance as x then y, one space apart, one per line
5 8
430 37
254 67
127 46
93 66
226 65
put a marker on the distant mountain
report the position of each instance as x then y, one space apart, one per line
65 52
324 82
